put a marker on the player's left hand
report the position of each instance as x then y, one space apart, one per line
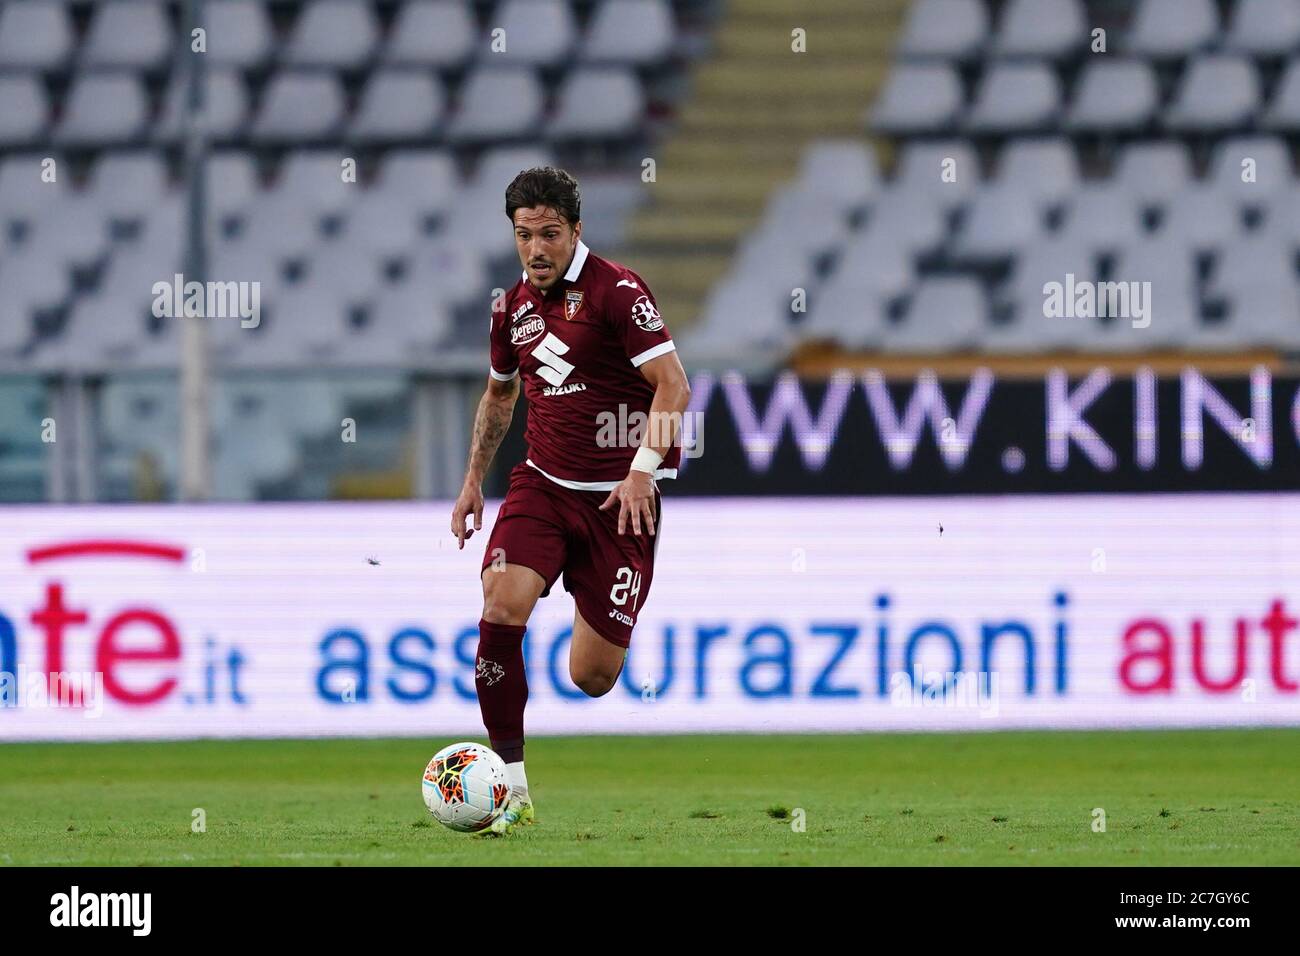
635 495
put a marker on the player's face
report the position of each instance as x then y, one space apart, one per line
545 243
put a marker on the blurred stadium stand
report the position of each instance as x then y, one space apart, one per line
797 215
368 280
1122 166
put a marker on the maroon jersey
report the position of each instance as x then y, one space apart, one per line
579 348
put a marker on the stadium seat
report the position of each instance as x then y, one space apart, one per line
1154 171
1114 96
299 107
535 32
736 309
313 180
1264 28
23 110
132 271
423 178
1171 270
631 32
1266 315
846 313
1000 222
842 169
497 104
232 184
1015 97
16 331
1202 218
383 225
103 109
275 229
407 315
1252 262
1283 216
1046 169
126 185
597 103
780 269
872 260
911 221
944 315
225 107
340 34
922 166
499 165
104 330
607 201
1031 330
397 106
238 33
455 274
131 34
22 191
1166 29
918 98
431 33
1044 29
952 29
165 232
34 35
1271 167
808 224
1283 112
37 278
478 220
1102 218
1218 93
348 267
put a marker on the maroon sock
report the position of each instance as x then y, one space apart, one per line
502 686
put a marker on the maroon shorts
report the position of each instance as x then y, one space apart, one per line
553 529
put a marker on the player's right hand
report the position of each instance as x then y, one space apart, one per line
469 502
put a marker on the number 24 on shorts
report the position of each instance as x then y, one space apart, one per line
629 582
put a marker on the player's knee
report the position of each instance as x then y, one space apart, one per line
502 607
594 683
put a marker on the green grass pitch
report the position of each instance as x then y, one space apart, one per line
1170 798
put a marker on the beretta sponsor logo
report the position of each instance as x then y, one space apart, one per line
528 329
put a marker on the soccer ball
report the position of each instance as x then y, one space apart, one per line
465 787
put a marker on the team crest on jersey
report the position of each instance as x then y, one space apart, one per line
572 302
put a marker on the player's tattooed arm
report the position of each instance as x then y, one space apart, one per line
491 422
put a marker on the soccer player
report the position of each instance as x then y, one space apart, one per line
585 337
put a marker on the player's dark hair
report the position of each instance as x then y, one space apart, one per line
545 186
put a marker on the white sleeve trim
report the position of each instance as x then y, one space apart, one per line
502 376
663 348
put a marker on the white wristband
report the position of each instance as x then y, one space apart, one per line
647 460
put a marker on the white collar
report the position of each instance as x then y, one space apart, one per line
575 267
